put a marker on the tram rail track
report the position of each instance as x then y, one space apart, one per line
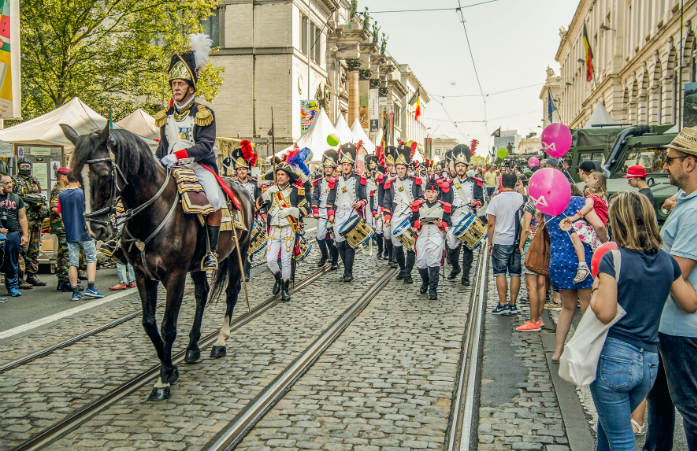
249 416
71 422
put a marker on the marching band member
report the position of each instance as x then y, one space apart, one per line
400 192
243 159
284 204
465 194
372 216
350 199
323 197
389 157
430 218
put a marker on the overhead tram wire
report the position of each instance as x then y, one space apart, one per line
495 93
431 9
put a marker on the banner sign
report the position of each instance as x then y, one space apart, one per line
308 111
374 109
364 103
10 99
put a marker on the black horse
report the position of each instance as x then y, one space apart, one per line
161 242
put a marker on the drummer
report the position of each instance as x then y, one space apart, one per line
400 192
430 218
372 216
350 200
322 207
465 194
390 172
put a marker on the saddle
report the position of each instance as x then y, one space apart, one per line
195 202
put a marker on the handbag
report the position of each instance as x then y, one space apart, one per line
579 362
537 258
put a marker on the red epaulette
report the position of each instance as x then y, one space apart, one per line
316 181
479 181
417 180
363 180
331 182
444 185
446 206
372 193
388 182
417 204
380 178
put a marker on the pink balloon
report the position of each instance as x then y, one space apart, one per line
556 140
550 191
533 162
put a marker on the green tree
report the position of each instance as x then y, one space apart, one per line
113 54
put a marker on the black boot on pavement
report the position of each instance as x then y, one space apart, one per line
433 274
285 295
277 284
349 252
398 252
453 260
324 254
409 265
334 254
423 272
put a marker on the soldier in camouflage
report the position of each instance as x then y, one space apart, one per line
29 189
57 229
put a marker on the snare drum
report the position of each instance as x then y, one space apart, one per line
405 234
303 250
258 240
470 230
356 231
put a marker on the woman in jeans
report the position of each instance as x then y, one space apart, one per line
629 360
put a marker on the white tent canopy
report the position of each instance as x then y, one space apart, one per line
600 116
140 123
360 135
344 132
315 138
45 129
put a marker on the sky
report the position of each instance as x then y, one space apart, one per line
512 42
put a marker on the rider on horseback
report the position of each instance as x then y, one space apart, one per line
187 136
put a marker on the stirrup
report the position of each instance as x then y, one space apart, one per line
209 268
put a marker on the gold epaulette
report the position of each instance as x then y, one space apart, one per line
161 118
301 191
204 116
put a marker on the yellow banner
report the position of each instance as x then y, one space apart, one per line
10 92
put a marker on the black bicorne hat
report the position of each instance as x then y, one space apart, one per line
347 153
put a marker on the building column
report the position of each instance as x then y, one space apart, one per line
353 90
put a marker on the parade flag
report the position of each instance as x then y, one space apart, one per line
10 100
589 54
416 101
428 152
551 107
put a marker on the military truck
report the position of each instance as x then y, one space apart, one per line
614 149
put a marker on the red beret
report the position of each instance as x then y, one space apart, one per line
63 171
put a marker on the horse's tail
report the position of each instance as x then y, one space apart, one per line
221 278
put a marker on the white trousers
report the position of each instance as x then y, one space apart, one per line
375 223
341 215
429 247
452 241
395 221
322 223
210 186
280 239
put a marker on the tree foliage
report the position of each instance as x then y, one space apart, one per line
113 54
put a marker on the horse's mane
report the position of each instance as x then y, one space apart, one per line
133 155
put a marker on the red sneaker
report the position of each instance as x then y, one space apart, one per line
132 285
528 327
120 286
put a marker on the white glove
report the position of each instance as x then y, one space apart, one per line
290 211
169 160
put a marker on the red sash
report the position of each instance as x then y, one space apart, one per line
226 189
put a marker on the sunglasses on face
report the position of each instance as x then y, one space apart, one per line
669 159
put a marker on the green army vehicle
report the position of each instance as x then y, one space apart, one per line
614 149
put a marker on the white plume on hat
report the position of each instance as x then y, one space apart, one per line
201 45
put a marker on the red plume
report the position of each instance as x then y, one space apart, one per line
359 145
413 148
401 143
171 102
473 146
248 152
380 153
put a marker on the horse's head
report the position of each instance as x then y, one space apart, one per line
92 166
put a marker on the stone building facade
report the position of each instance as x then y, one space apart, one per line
636 53
282 53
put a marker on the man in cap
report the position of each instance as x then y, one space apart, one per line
372 216
585 169
187 136
244 158
351 198
323 197
284 204
57 228
29 189
636 177
400 192
465 194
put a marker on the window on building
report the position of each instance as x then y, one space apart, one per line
676 89
317 54
397 116
303 35
211 27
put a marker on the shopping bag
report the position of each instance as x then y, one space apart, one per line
579 362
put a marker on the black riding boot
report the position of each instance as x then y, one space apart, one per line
323 250
210 261
433 283
334 254
387 254
392 254
277 284
285 295
467 257
423 272
378 243
349 253
398 252
411 258
453 255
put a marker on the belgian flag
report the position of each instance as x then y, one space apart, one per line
589 54
416 101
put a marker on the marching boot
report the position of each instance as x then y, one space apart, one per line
453 260
433 274
348 263
334 254
392 254
411 258
323 249
387 248
277 285
210 261
32 279
398 252
423 272
467 257
378 243
285 295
